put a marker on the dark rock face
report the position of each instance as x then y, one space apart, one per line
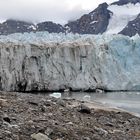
93 23
50 27
132 28
123 2
14 26
84 109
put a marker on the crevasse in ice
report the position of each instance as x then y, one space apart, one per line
43 61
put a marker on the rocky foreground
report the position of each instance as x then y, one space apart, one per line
39 117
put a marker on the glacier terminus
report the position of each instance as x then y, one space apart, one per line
51 62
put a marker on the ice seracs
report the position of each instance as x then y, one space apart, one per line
42 61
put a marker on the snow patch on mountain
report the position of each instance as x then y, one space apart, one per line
93 22
121 16
32 27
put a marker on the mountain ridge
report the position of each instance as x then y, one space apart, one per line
93 23
122 2
97 21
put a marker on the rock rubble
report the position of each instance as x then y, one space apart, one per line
47 119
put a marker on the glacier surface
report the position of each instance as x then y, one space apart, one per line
42 61
121 16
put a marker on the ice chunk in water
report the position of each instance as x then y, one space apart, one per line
56 95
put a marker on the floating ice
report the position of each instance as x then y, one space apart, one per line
56 95
86 98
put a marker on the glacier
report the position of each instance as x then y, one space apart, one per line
50 62
120 17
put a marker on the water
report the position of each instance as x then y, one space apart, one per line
129 101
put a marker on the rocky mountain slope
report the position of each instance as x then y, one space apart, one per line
121 17
43 61
132 28
93 23
123 2
50 27
15 26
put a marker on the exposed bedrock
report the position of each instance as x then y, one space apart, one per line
111 63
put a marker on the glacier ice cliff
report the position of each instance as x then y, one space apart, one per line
42 61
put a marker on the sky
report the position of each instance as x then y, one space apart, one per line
59 11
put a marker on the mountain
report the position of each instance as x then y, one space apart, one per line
120 17
108 19
50 27
15 26
123 2
93 23
132 28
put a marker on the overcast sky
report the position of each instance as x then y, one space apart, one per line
59 11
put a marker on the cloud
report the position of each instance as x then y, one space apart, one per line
59 11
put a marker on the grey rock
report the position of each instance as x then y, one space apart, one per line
100 131
33 103
84 109
43 108
132 28
85 138
61 102
48 131
69 123
106 121
3 103
7 119
40 136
